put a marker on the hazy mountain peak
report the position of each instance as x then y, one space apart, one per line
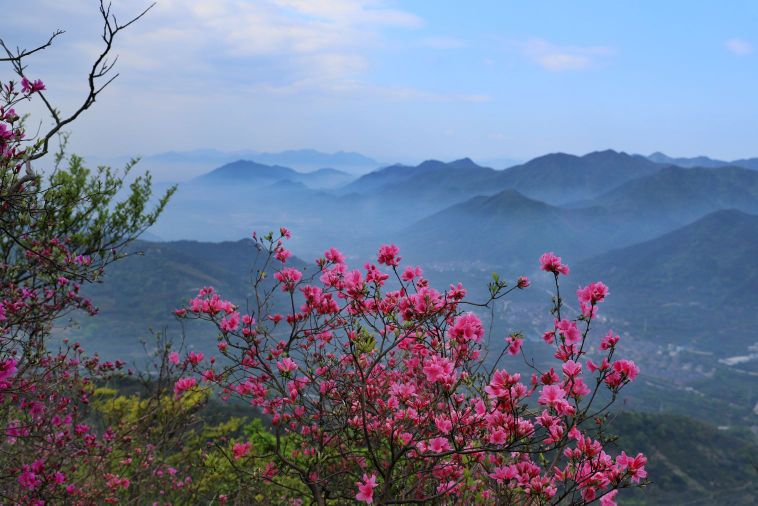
431 164
241 169
465 162
606 154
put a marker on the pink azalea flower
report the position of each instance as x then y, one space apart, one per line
551 263
498 437
609 499
410 273
444 425
195 358
626 367
635 466
282 254
551 394
8 368
29 87
288 278
230 323
569 330
388 255
241 449
29 480
184 384
438 369
366 489
592 293
467 327
571 368
334 256
514 344
286 365
609 341
439 444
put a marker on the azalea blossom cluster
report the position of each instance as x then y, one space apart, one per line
53 450
11 134
378 390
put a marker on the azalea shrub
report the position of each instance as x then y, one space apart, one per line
378 391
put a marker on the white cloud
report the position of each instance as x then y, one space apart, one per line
739 47
555 57
268 43
313 47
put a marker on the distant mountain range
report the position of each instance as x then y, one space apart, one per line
305 160
639 199
510 228
244 172
556 178
702 161
559 178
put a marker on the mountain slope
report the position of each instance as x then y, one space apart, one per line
681 195
694 286
689 462
141 291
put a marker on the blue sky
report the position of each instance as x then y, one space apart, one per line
409 80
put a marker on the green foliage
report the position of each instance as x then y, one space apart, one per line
81 205
91 212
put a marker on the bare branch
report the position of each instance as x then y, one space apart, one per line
100 68
23 53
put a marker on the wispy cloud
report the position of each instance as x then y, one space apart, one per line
557 58
739 47
322 47
304 38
